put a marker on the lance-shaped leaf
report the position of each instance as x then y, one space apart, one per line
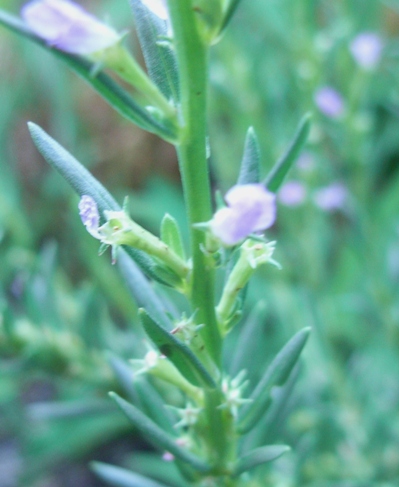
276 374
142 289
250 165
177 352
63 409
157 436
111 91
258 457
159 57
231 8
84 184
170 234
276 176
119 477
140 392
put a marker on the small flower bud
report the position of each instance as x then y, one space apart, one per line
120 229
232 390
252 255
88 212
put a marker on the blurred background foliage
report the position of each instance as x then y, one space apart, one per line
64 310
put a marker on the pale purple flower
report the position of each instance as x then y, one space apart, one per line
251 208
89 214
332 197
329 101
292 193
366 49
157 7
68 27
305 161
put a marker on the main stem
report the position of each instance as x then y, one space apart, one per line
193 69
192 57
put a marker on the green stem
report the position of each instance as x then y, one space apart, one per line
192 60
193 68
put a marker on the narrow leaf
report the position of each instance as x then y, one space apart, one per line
123 375
170 234
119 477
111 91
142 290
153 404
63 409
250 165
177 352
276 176
233 4
276 374
159 57
258 457
246 347
157 436
84 183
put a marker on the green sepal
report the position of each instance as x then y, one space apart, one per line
120 477
85 184
157 436
250 164
111 91
159 57
276 374
177 352
170 234
258 457
276 176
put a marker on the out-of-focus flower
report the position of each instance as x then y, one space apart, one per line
251 208
158 7
67 26
366 49
89 214
332 197
305 162
292 193
329 101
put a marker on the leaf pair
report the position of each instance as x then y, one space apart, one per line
250 164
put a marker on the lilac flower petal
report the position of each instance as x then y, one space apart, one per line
366 48
254 203
65 25
88 212
226 226
329 101
332 197
251 208
292 193
158 7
